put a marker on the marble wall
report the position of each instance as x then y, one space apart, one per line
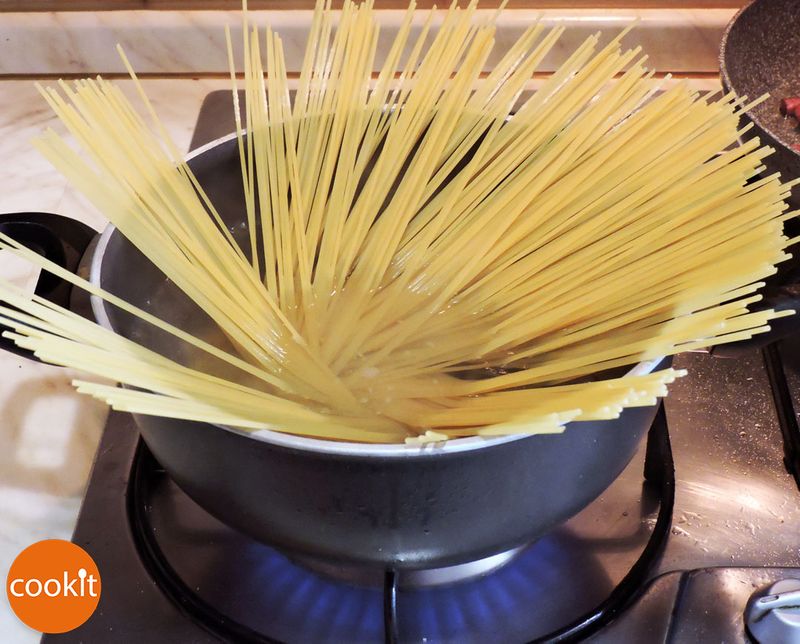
192 42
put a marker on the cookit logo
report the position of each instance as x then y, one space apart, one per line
53 586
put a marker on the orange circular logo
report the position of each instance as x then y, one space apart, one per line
53 586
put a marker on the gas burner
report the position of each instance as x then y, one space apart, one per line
422 578
247 592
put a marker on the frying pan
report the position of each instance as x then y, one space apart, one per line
759 54
396 506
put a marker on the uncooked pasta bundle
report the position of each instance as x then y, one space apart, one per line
433 252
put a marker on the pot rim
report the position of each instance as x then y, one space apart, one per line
303 443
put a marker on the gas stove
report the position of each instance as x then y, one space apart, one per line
706 516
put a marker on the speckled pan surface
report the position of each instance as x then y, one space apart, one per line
760 53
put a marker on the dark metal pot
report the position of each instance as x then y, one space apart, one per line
399 505
386 505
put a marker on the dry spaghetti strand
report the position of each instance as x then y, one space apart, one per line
429 252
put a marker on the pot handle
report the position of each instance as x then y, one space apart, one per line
60 239
781 293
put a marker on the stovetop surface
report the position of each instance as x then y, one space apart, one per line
736 527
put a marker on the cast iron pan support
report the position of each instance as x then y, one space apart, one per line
61 240
784 407
390 633
659 477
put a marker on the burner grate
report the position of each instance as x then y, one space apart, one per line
659 475
785 405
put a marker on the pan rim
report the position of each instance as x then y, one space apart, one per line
728 86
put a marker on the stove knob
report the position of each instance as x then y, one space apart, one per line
774 618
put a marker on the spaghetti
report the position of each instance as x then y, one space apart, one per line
429 255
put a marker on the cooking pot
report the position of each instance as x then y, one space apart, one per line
386 506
